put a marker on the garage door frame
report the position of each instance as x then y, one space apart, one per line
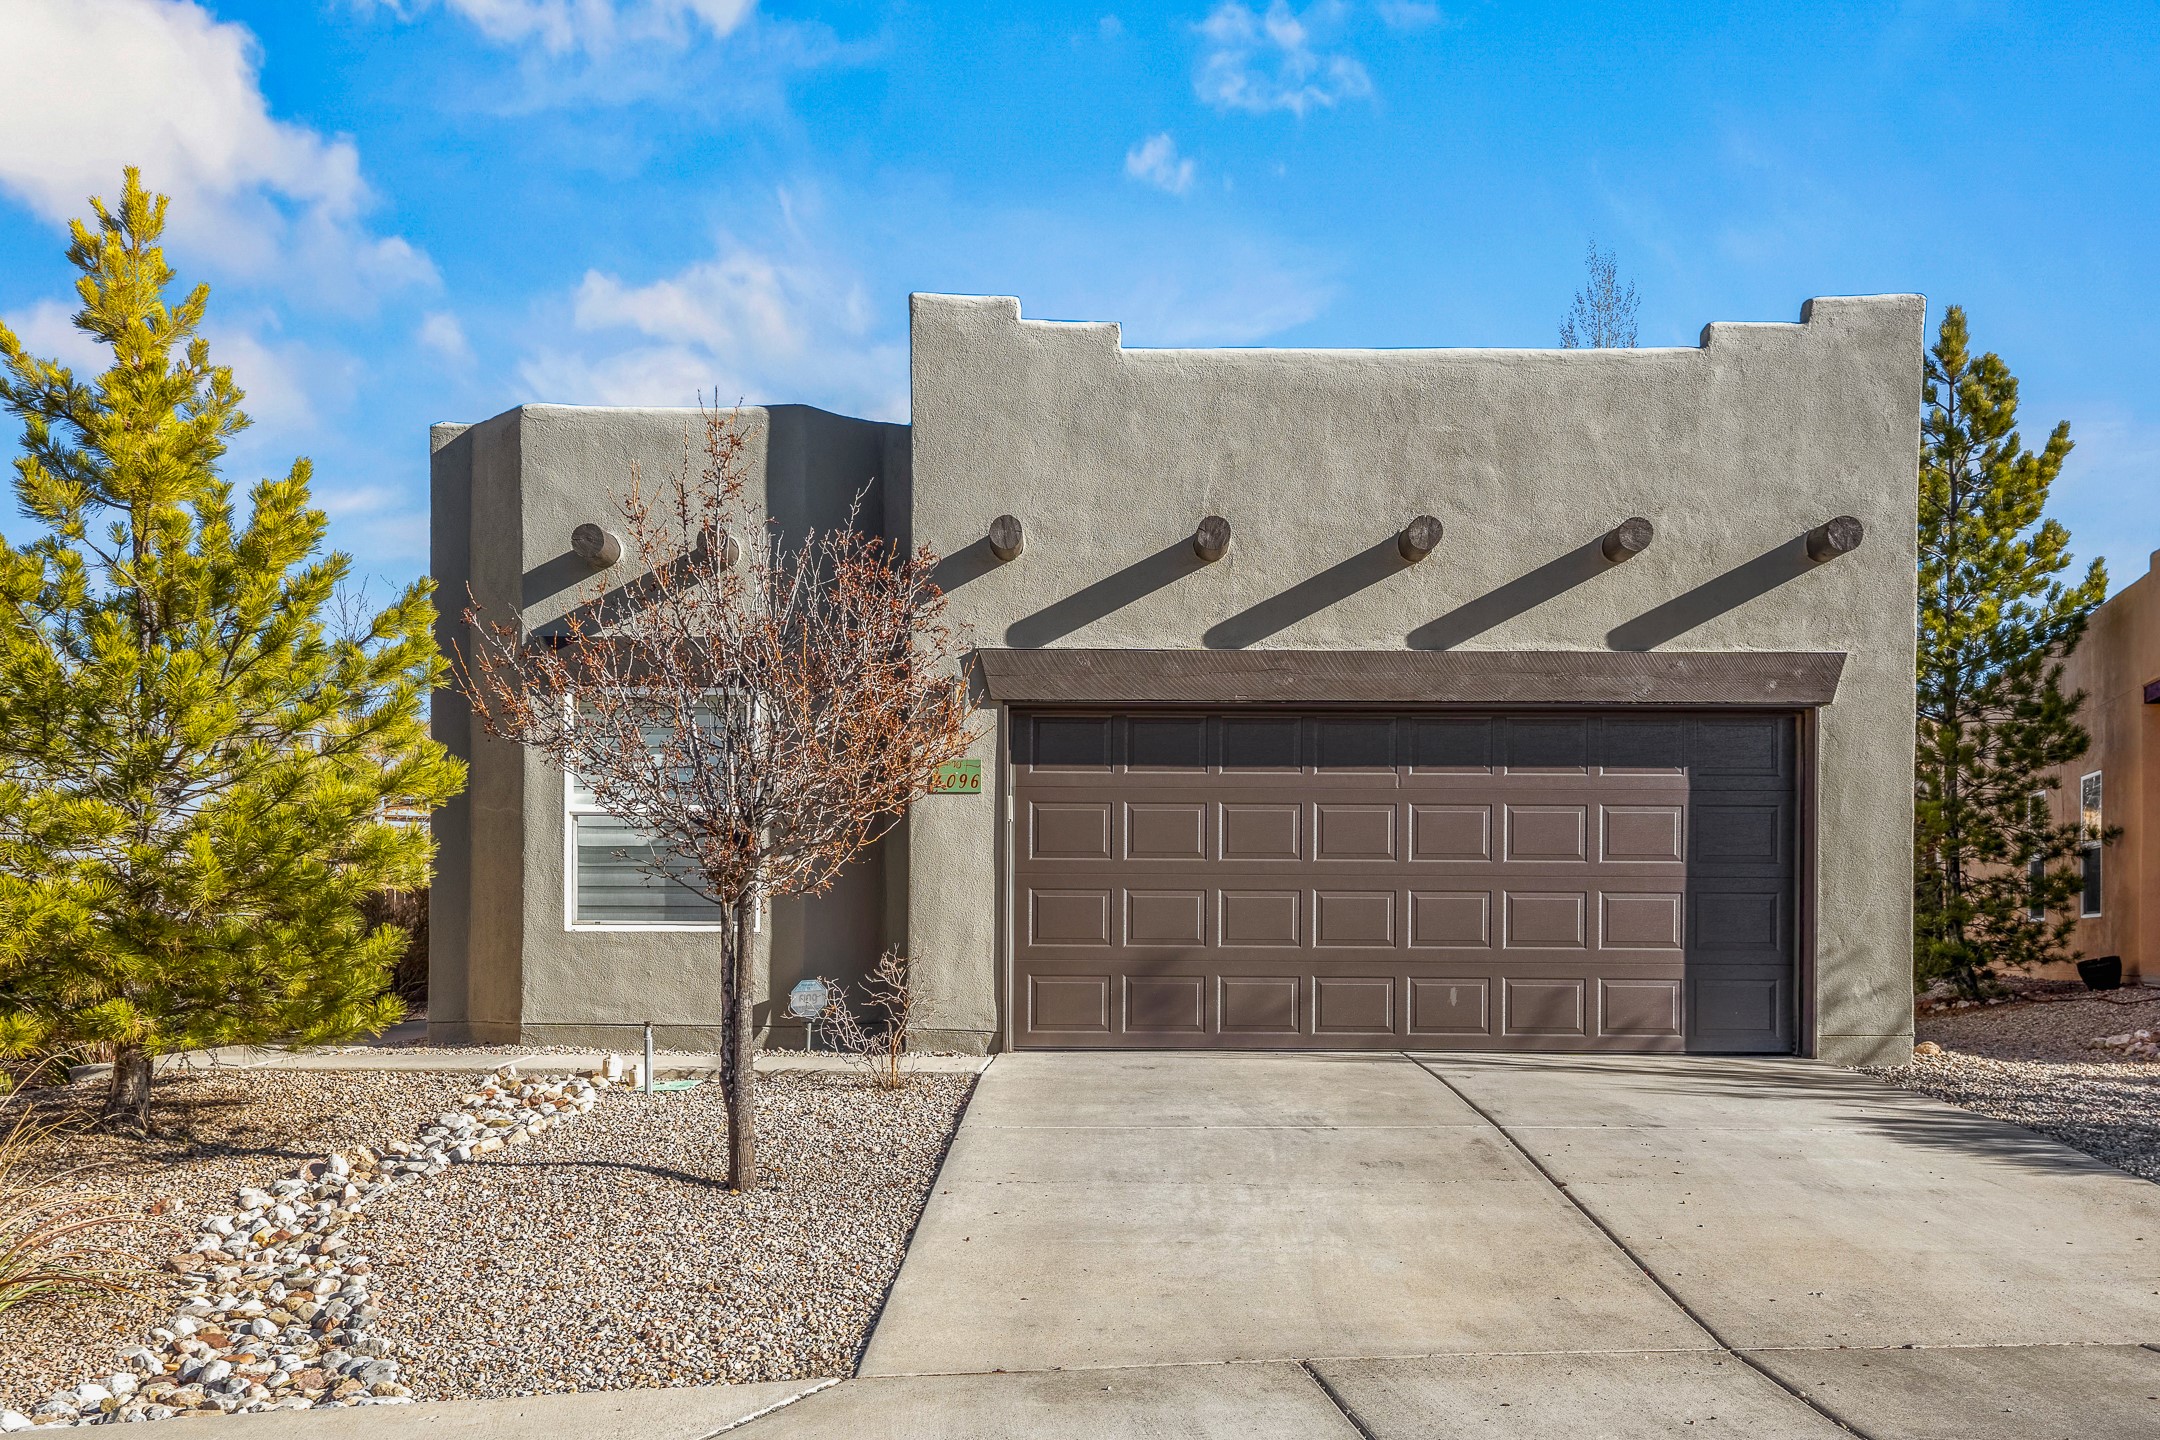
1802 925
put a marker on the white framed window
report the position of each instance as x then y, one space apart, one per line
609 882
2091 827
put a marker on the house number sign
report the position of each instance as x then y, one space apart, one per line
957 777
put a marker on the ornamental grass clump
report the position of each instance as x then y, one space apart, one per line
49 1229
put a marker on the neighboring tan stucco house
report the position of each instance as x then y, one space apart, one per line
2117 783
1318 777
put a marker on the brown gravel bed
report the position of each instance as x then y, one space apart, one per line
2031 1064
217 1130
607 1254
2046 1030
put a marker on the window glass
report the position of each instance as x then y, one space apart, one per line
614 884
2091 826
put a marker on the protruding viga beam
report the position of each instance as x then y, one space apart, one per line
1628 539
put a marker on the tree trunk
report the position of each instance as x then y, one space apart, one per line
127 1102
742 1074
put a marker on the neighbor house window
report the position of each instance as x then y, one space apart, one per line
2090 831
2036 868
612 882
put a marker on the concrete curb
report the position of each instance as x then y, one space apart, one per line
459 1062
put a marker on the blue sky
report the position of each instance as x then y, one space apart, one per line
416 210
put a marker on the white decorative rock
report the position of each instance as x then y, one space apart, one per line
13 1420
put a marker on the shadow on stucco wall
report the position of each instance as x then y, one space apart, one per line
1525 592
1309 596
1713 597
1113 592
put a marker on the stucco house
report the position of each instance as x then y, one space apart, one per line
2117 783
1419 699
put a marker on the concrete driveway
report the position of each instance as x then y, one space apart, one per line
1395 1246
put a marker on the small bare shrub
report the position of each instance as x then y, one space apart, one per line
47 1229
876 1039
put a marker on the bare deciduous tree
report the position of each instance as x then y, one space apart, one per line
1603 315
762 707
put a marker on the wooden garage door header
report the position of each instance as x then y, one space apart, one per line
1783 679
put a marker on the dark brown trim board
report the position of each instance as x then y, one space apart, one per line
1780 679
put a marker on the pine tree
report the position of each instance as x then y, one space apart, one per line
1995 625
194 776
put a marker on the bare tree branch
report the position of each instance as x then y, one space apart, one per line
763 711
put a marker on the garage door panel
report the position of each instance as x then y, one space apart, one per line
1069 742
1544 919
1450 1007
1640 746
1069 1004
1262 831
1166 917
1355 743
1166 1005
1740 1009
1451 832
1739 833
1069 917
1602 882
1262 1004
1550 1006
1353 832
1261 743
1639 920
1737 921
1548 832
1549 744
1639 1007
1166 831
1354 1005
1642 834
1449 745
1173 743
1261 917
1070 830
1354 917
1451 919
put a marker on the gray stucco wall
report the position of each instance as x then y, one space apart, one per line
1734 449
504 965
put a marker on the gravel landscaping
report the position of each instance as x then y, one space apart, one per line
218 1131
2033 1063
610 1255
428 1236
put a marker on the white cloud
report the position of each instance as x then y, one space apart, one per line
1110 27
379 522
176 92
1260 62
562 27
47 330
740 326
278 379
441 332
1156 162
1408 14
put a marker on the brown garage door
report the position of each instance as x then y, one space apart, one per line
1269 880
